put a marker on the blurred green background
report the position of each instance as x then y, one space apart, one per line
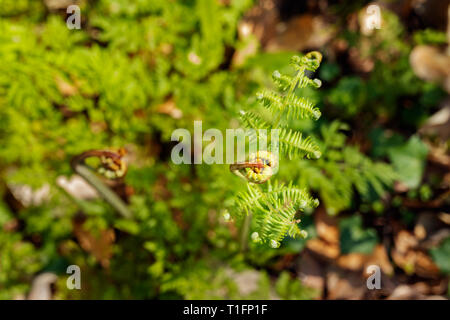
137 70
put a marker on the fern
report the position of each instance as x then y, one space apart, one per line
343 172
275 206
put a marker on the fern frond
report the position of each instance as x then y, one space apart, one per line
293 145
295 232
271 100
283 82
275 223
275 207
302 108
253 121
311 61
249 200
275 210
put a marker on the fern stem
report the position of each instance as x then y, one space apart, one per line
105 192
244 232
109 195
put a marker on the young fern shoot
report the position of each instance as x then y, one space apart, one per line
112 166
275 205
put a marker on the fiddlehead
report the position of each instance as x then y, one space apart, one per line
112 166
275 206
258 169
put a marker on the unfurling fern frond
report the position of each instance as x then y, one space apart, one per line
258 169
274 206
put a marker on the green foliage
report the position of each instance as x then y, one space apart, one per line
139 69
430 36
342 171
385 58
65 91
349 95
440 256
212 281
275 206
292 289
274 209
409 161
354 238
408 157
18 262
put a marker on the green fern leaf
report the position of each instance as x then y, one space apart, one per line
302 108
293 145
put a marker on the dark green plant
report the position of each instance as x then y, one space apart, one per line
343 172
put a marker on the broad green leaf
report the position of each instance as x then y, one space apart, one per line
409 161
354 238
441 256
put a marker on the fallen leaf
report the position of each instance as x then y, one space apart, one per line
352 261
430 64
300 33
345 285
326 226
65 88
311 273
323 248
100 245
380 258
169 107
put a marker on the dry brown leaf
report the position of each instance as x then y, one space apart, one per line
352 261
323 248
326 226
427 223
405 292
261 20
101 245
425 266
65 88
416 261
404 241
300 33
428 63
412 292
380 258
311 273
439 124
345 285
169 107
58 4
